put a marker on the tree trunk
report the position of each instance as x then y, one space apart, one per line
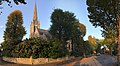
111 50
118 35
118 55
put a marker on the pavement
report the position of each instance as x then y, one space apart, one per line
102 60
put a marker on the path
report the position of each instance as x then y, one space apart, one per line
102 60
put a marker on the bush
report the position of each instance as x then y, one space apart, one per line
56 50
36 47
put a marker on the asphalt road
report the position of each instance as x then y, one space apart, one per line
102 60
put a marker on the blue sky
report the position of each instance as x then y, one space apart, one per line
44 11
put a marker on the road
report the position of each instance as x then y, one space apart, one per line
102 60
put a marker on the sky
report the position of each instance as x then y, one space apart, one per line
44 11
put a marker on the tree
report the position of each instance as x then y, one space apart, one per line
15 1
66 27
77 38
82 28
92 42
87 48
100 42
61 25
106 14
14 31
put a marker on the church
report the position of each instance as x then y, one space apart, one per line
35 31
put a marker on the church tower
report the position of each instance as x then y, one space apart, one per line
35 25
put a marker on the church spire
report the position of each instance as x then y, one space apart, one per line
35 13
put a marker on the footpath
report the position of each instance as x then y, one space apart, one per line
102 60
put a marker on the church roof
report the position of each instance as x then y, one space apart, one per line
43 30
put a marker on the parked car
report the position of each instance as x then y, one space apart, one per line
98 54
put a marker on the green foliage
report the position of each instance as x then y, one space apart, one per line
14 31
13 46
110 43
87 48
56 50
65 27
7 49
105 13
15 1
92 42
82 28
115 49
10 2
36 48
100 42
61 24
98 49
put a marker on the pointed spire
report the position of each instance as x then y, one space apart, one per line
35 12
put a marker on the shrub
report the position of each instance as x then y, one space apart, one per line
36 47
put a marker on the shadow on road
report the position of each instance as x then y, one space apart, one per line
106 60
102 60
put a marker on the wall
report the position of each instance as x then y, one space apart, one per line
33 61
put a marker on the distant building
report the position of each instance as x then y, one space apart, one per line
35 30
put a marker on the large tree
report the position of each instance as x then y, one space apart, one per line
106 14
61 24
14 31
66 27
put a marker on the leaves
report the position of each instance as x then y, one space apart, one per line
104 13
36 47
14 31
65 27
92 42
15 1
